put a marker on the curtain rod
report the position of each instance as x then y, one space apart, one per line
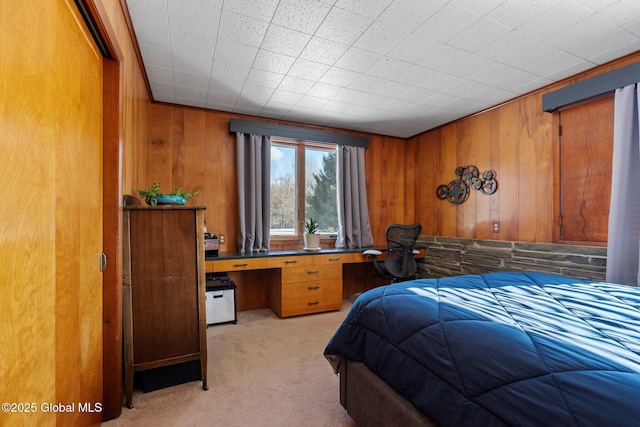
598 85
304 134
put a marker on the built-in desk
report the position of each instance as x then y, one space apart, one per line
297 281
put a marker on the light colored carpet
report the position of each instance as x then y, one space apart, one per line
263 371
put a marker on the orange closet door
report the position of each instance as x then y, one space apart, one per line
51 215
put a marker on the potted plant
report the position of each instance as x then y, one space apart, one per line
311 237
153 196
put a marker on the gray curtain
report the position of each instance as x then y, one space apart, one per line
254 183
353 213
623 252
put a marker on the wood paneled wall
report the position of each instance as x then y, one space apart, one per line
520 143
193 149
134 99
125 121
514 141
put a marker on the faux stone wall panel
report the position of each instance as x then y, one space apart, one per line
453 256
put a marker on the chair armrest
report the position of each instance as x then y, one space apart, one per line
372 252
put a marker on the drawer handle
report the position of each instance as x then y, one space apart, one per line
291 262
240 265
314 302
334 259
313 272
313 288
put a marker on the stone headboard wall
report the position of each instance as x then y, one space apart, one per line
446 256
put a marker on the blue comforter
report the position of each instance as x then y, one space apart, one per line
515 349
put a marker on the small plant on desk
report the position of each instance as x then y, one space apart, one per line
311 226
311 236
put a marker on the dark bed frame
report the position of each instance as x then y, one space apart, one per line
372 402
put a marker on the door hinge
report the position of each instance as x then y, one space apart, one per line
559 220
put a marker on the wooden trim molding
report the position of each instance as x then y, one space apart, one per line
136 47
95 16
98 23
112 240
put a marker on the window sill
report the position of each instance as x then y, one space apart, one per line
323 238
295 242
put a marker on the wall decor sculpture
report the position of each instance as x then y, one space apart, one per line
457 191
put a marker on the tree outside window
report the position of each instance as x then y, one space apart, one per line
320 191
283 190
303 186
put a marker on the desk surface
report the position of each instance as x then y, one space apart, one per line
290 252
258 277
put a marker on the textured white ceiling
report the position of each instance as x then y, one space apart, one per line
392 67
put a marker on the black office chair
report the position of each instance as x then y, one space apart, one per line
399 263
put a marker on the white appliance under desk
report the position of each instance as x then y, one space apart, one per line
221 304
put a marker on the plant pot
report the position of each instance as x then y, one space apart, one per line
170 200
311 241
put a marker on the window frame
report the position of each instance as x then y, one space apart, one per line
301 147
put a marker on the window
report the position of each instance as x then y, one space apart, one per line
303 186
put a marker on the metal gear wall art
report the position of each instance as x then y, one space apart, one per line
457 191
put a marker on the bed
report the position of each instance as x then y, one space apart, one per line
497 349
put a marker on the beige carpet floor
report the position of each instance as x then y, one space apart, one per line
263 371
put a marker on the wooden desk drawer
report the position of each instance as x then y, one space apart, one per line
306 305
289 261
330 259
239 264
312 289
307 273
356 257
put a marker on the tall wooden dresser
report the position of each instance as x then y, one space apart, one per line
163 289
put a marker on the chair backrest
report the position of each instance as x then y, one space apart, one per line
401 241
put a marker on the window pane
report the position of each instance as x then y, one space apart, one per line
320 189
283 190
